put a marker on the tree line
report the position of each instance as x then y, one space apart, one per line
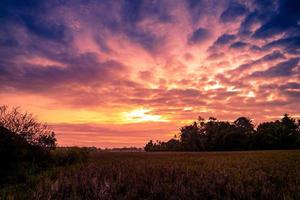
216 135
28 147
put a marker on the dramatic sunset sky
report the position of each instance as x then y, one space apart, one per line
114 73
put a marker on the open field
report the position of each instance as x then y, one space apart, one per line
211 175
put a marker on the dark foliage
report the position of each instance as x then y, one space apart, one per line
27 127
215 135
63 156
171 145
27 147
19 158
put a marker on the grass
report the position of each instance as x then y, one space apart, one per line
206 175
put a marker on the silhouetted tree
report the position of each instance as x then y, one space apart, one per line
290 130
149 146
269 135
25 125
282 134
212 135
245 124
190 138
217 134
18 157
173 145
25 145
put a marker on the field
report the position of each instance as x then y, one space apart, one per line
207 175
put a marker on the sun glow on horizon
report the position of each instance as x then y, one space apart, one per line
142 115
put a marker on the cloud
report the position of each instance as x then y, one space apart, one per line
198 36
275 55
45 29
282 69
291 89
81 69
290 45
286 18
97 59
224 39
233 11
133 13
112 135
238 45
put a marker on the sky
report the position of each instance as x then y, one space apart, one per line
118 73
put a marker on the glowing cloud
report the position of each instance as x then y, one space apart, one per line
154 65
142 115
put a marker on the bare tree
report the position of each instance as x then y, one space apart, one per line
27 126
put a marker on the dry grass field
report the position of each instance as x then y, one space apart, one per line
211 175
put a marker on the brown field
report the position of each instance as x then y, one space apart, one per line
206 175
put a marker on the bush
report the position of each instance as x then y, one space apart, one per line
69 155
26 126
18 157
